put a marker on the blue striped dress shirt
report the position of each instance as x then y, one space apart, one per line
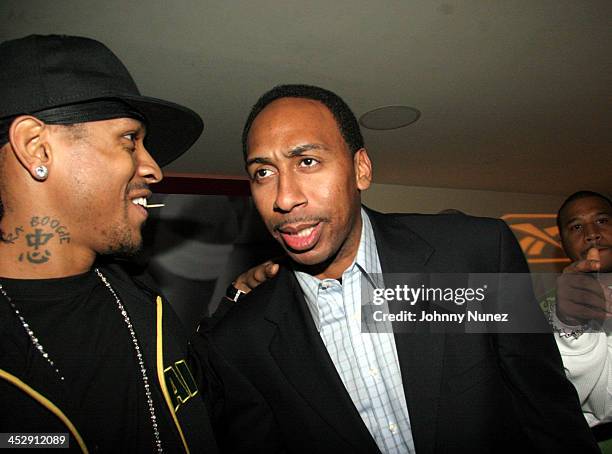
367 363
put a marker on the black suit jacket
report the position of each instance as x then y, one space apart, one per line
273 386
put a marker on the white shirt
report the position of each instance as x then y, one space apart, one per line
588 365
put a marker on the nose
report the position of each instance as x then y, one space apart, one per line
289 194
592 233
147 167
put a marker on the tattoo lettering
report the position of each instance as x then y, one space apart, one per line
36 240
36 257
12 237
45 229
55 225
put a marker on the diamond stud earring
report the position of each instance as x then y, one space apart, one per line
41 172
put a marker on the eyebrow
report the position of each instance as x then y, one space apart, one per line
252 161
142 127
136 125
578 218
301 149
296 151
570 220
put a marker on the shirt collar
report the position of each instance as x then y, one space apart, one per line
367 254
366 261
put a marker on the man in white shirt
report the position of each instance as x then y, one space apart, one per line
583 301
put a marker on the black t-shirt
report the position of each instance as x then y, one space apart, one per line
78 323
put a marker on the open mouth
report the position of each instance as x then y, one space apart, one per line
300 238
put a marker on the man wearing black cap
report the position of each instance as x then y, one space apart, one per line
86 350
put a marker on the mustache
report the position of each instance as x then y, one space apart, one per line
298 220
136 186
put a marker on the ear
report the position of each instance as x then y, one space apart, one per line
363 169
28 138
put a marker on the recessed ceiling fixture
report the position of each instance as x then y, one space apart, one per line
389 117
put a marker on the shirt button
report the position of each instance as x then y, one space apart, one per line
373 372
393 428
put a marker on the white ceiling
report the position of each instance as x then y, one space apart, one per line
515 95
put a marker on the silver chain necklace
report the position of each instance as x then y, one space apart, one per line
30 333
128 322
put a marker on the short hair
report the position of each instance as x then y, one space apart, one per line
577 196
5 125
345 119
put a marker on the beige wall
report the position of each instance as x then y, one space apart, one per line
537 235
396 198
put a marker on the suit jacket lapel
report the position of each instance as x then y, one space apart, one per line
420 353
300 353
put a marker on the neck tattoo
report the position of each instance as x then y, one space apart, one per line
139 356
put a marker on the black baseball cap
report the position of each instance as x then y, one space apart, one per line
43 72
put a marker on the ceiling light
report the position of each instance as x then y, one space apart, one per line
389 117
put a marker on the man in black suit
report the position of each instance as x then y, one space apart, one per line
290 368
